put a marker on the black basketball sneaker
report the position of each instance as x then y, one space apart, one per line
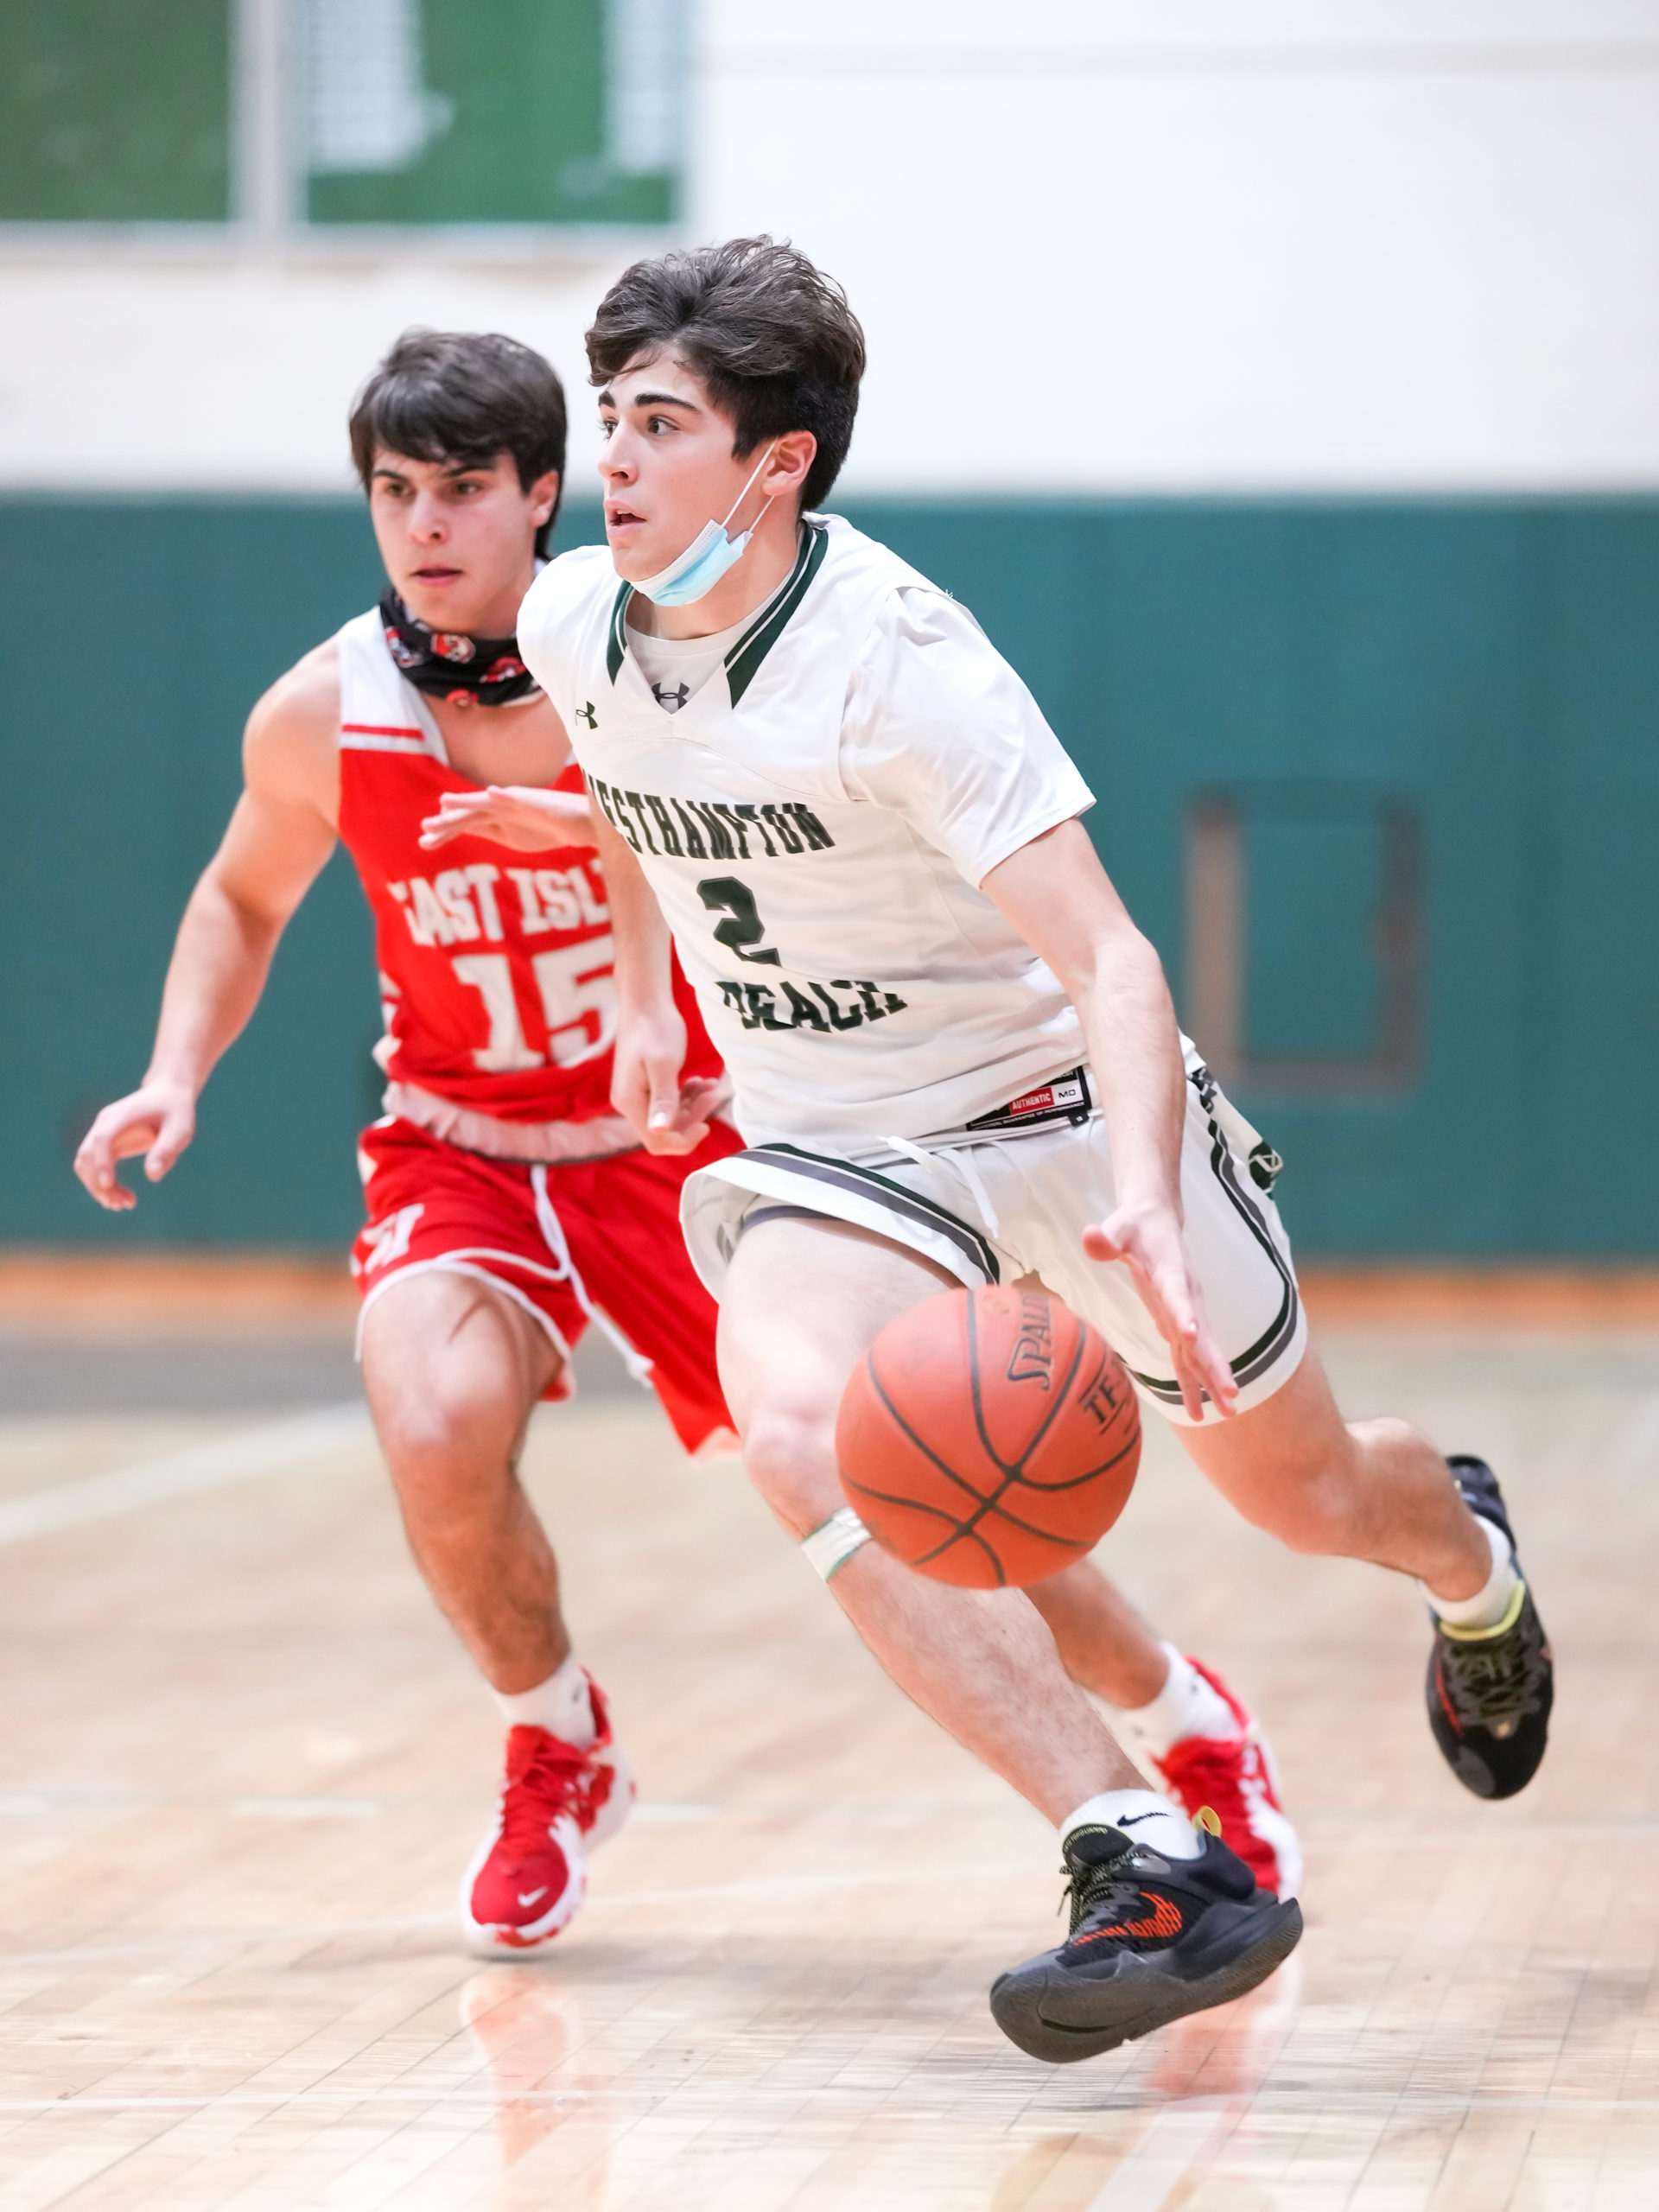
1152 1938
1489 1689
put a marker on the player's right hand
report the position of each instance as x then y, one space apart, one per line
1147 1240
159 1118
645 1086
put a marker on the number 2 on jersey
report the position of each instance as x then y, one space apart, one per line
743 927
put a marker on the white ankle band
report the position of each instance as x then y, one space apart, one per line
833 1542
562 1705
1489 1604
1144 1816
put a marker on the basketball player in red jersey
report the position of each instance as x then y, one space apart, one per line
508 1205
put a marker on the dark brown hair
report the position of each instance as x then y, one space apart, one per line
771 337
465 395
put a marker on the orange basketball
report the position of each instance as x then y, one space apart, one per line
988 1437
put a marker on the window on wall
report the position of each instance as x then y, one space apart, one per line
321 118
1304 934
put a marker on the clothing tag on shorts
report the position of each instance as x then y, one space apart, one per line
1066 1099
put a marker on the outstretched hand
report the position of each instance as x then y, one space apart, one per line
524 816
158 1120
1147 1240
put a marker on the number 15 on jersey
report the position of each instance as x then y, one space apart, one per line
578 1000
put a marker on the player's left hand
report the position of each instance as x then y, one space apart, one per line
524 815
1147 1240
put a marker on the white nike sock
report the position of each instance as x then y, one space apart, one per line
1143 1815
1186 1706
561 1704
1489 1604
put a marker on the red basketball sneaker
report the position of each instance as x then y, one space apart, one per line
530 1874
1235 1777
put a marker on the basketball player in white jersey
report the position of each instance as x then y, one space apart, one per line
956 1060
508 1204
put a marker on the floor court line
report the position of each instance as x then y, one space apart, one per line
232 1940
1332 1840
229 1944
775 1886
306 1809
238 1458
1209 2117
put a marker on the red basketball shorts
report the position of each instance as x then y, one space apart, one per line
593 1241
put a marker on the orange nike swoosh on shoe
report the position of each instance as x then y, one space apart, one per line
1165 1920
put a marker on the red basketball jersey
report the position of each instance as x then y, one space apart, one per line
495 966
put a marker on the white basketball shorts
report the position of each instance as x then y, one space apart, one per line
1012 1197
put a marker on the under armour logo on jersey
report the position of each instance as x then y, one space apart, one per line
671 701
585 714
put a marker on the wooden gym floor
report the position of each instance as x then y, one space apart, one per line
244 1765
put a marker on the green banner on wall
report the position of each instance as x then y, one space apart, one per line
445 113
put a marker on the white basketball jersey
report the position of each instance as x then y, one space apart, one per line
816 825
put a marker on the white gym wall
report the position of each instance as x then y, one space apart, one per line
1099 246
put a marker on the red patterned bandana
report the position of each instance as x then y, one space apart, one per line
450 664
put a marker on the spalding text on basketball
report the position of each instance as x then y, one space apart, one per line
1032 1359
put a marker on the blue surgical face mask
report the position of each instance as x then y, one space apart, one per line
707 558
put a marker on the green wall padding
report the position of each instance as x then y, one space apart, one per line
1489 672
